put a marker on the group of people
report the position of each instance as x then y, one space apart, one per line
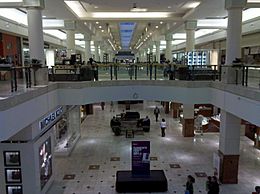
212 185
163 124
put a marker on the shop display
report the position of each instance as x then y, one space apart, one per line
12 158
14 189
13 175
45 159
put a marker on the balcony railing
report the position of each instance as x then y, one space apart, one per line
135 72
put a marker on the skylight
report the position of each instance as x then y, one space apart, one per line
203 32
179 36
251 13
14 14
56 33
126 33
222 23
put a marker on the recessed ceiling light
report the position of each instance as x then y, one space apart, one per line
97 22
102 30
161 22
169 7
100 27
151 33
44 16
156 26
95 7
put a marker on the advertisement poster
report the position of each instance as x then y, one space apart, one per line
141 157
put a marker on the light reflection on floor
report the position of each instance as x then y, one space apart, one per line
98 145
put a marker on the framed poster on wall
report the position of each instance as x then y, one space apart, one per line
13 175
14 189
12 158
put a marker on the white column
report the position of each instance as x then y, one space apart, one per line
70 43
158 55
234 33
168 51
96 51
36 43
188 111
190 27
229 140
101 55
87 50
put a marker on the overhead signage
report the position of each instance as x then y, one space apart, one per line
50 119
141 157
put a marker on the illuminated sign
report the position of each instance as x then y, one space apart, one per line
50 119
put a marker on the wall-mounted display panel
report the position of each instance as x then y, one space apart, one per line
12 158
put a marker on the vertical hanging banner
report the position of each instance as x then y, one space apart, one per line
141 157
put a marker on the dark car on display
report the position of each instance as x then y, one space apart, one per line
129 121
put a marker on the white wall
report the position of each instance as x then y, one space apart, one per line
31 110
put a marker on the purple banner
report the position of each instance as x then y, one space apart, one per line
141 157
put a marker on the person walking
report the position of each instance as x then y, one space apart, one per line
163 127
209 185
156 112
102 105
189 185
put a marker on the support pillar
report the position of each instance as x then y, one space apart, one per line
87 48
36 43
190 27
158 55
70 43
188 120
229 143
176 110
97 57
167 107
233 45
168 51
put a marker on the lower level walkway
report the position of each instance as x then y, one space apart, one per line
98 146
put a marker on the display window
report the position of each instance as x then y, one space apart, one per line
12 158
14 189
13 175
45 160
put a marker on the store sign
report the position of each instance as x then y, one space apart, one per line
50 119
141 157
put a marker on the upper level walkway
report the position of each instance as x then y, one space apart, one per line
28 105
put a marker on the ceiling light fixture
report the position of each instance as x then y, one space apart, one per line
11 1
102 30
100 27
192 4
125 15
161 22
169 7
253 1
97 22
95 7
76 7
156 26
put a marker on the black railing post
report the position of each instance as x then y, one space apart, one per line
115 71
155 72
246 76
220 72
135 72
12 79
111 72
243 76
15 80
151 71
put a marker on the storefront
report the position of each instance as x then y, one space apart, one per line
26 162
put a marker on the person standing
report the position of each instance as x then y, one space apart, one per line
215 186
163 127
189 184
156 112
208 185
102 105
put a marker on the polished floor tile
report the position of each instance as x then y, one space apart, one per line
176 155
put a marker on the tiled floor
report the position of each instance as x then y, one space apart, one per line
98 145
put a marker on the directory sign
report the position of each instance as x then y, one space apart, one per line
141 157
